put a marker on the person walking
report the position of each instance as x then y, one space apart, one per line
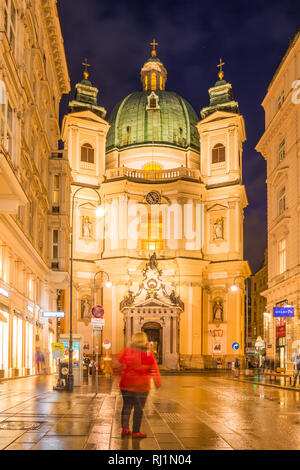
237 367
140 365
297 369
37 360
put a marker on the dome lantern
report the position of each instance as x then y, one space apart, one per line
153 72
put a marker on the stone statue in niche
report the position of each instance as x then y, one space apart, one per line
218 310
85 309
219 229
86 227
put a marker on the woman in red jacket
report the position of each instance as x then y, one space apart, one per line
140 366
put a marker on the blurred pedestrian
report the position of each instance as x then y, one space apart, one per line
296 369
37 360
43 362
237 367
107 366
140 365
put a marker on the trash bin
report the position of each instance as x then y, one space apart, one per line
62 381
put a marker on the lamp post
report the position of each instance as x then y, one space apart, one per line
108 284
234 288
99 213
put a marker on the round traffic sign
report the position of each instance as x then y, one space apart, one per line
235 346
98 311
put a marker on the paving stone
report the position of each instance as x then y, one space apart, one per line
60 443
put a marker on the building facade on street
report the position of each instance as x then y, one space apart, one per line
33 176
171 237
280 147
258 319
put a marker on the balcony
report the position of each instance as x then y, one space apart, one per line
157 176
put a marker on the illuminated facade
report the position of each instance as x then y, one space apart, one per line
258 319
171 240
279 145
33 76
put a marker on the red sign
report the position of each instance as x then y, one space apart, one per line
98 311
280 331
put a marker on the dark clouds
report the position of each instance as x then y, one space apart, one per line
251 37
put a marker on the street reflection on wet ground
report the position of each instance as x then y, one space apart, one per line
205 411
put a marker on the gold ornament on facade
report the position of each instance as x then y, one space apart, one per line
85 72
221 73
153 43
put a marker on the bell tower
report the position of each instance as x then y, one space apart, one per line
222 133
84 133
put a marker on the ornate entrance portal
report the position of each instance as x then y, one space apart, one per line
155 309
153 331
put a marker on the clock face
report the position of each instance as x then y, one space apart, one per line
153 197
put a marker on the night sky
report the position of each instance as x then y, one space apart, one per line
250 36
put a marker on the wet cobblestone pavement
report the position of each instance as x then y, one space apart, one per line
206 411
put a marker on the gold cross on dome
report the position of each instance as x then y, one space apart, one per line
220 73
153 44
85 72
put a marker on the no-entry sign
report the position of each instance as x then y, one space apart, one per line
98 311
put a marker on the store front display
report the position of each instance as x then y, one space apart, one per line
4 335
17 346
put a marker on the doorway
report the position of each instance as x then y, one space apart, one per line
153 331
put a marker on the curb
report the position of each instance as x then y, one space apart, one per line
292 389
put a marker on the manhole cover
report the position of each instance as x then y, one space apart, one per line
20 425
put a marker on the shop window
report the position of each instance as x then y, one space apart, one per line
218 153
4 325
87 153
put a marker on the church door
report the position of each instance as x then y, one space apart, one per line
154 334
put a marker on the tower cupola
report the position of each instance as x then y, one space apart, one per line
153 72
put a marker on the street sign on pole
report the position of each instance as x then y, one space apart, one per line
98 311
97 322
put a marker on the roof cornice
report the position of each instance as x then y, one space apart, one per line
57 46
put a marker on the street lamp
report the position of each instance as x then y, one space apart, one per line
234 288
99 213
108 284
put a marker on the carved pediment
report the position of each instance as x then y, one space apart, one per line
216 207
152 290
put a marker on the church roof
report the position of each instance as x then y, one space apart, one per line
172 123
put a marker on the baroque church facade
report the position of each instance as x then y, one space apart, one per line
170 239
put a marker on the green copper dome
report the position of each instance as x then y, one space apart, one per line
160 117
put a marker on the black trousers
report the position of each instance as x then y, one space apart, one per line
135 400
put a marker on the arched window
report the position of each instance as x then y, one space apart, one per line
153 81
161 82
218 153
146 82
87 153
